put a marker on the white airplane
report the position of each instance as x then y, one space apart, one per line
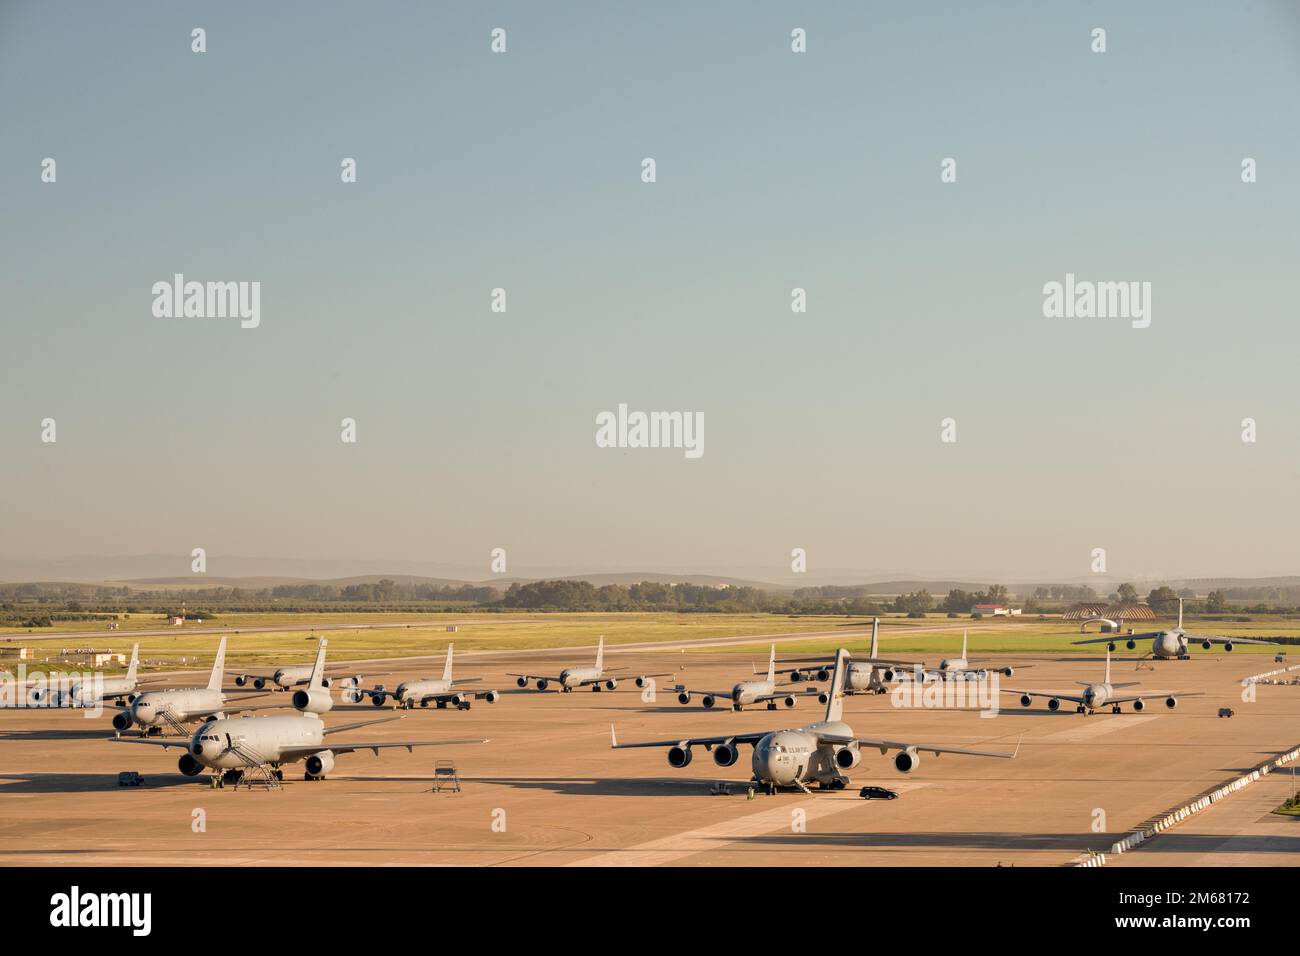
959 668
156 711
572 677
870 675
423 692
813 754
78 692
747 691
292 675
1096 696
1172 644
234 747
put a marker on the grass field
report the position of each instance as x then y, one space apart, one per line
413 635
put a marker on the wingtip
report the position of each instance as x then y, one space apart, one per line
613 739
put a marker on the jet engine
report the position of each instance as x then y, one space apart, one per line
37 695
823 698
1054 704
642 681
1131 644
491 697
122 720
796 676
684 697
846 758
189 766
907 761
708 701
1227 646
724 755
522 681
789 700
679 757
353 696
1111 647
313 700
543 684
611 684
823 674
1025 700
259 684
241 680
1139 705
319 764
378 699
1171 702
1008 672
459 700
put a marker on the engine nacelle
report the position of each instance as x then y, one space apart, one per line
823 674
1111 647
378 699
122 720
459 700
684 697
1171 702
37 696
789 700
796 677
846 758
823 698
1054 704
907 761
491 697
543 684
259 684
708 700
326 682
241 680
1139 705
724 755
189 766
611 684
1228 646
319 764
888 675
313 700
1206 645
1131 645
353 696
679 757
521 681
1025 700
642 681
1008 672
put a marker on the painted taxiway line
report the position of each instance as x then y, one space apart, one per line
718 835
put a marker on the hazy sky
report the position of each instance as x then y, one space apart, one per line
775 170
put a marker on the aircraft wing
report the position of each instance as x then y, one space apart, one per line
1117 638
155 741
466 680
358 724
887 745
1125 699
251 676
1201 639
1041 693
724 694
532 677
748 738
780 695
297 753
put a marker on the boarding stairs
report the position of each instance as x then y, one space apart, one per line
257 770
445 776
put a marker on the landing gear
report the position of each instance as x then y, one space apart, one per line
835 783
595 688
232 777
1115 709
441 705
771 705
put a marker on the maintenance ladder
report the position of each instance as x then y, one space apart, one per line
445 776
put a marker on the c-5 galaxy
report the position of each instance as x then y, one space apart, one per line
747 691
1096 696
816 754
1172 644
572 677
871 675
89 693
157 711
237 746
423 692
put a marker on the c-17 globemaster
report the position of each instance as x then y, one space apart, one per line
817 753
1096 696
572 677
872 675
1172 644
242 744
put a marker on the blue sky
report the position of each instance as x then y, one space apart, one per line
775 170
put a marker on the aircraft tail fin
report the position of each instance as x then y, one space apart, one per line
835 694
218 667
771 665
1107 665
318 669
875 637
135 660
446 668
600 654
1180 612
964 635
